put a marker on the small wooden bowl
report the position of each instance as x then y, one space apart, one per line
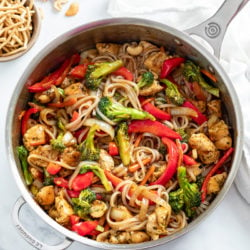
36 20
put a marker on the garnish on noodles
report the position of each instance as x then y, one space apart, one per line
124 147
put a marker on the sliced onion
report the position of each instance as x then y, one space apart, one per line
68 139
102 125
179 111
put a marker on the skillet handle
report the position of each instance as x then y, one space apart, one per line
27 236
213 29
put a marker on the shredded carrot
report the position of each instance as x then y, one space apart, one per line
69 102
198 92
180 153
209 75
147 176
102 220
20 116
95 179
135 166
138 140
147 101
106 227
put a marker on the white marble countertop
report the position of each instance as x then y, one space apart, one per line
227 228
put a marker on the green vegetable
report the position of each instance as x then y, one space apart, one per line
23 154
117 112
187 196
87 147
98 171
82 204
60 125
123 142
192 73
183 134
48 180
61 92
58 143
146 80
97 71
173 93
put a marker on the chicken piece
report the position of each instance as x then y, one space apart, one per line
34 136
138 237
70 156
119 238
36 174
106 161
98 209
154 61
107 48
62 210
206 150
64 172
45 196
214 107
45 96
219 133
148 46
215 183
160 167
120 213
154 88
157 222
45 151
74 89
193 171
88 55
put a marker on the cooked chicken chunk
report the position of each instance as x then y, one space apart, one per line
219 133
66 82
138 237
106 161
216 182
207 151
201 105
148 46
36 174
45 195
98 209
74 89
70 156
214 107
154 61
160 167
105 48
34 136
45 151
62 210
45 96
154 88
120 213
193 171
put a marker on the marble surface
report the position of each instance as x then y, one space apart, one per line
227 228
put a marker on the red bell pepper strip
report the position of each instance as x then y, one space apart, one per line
69 102
79 71
151 109
74 219
85 227
73 194
200 119
172 163
78 132
74 116
61 182
82 181
56 77
212 172
125 73
53 168
113 149
153 127
26 117
188 160
169 65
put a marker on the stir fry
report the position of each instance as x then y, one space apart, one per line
125 143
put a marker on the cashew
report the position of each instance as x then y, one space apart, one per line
134 51
73 9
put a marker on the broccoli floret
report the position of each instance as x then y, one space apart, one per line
87 147
99 173
192 73
97 71
183 134
82 204
123 142
187 196
117 112
23 154
60 125
58 143
146 80
173 93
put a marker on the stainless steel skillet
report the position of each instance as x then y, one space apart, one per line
124 30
